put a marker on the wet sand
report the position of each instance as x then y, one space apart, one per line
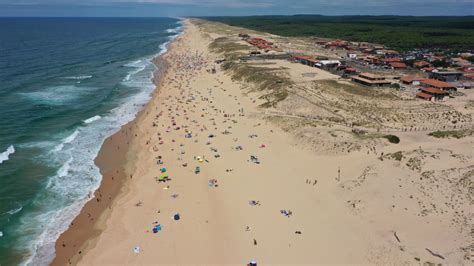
113 160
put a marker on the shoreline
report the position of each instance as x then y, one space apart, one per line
112 161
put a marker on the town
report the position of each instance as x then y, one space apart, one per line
429 74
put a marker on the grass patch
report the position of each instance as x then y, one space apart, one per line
359 90
392 139
226 45
264 78
397 155
451 134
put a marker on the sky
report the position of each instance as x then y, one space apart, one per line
174 8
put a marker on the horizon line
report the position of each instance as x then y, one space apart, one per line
279 15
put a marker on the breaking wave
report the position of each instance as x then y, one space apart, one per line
4 156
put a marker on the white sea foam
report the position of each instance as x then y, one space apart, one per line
71 137
92 119
67 191
38 144
13 211
58 95
79 77
66 140
63 171
175 30
138 65
4 156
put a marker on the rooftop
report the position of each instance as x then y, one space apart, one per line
424 95
369 81
436 83
398 65
431 90
411 78
371 76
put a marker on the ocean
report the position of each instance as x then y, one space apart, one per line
66 84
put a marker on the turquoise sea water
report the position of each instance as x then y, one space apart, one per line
65 85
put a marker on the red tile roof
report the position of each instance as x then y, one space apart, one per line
469 75
398 65
391 60
411 78
436 83
302 57
421 63
424 95
432 91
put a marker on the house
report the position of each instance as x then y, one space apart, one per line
441 85
412 80
305 60
352 55
460 61
428 69
421 64
431 94
372 60
469 76
328 63
387 53
467 68
398 65
391 60
260 43
432 58
350 70
447 76
370 79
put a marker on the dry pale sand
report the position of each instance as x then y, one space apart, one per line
408 203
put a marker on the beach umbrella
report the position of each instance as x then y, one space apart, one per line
163 170
156 229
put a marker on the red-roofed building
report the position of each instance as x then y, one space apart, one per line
444 86
260 43
423 95
391 60
469 75
350 70
398 65
412 80
467 68
421 64
370 79
305 59
431 94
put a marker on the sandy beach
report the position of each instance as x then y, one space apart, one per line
244 182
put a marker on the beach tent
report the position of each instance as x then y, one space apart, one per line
157 228
163 177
